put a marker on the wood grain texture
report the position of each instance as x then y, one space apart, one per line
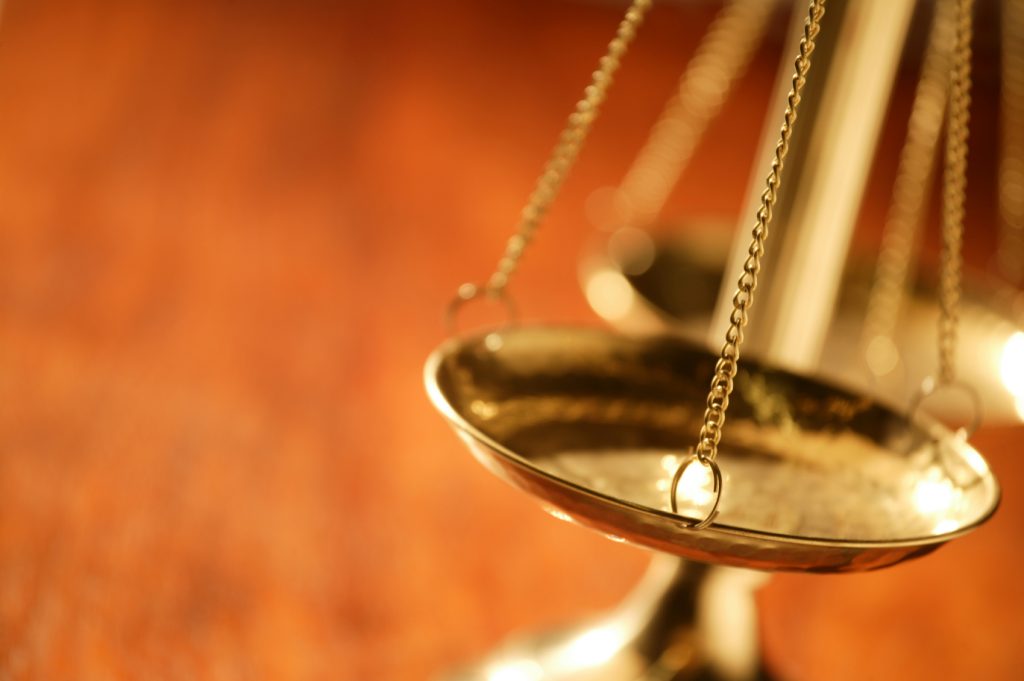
227 231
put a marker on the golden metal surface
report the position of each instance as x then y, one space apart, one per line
722 383
645 286
816 479
683 621
954 190
830 159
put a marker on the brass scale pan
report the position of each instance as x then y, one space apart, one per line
593 423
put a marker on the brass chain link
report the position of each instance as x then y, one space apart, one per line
567 149
725 369
720 59
954 191
910 194
1011 162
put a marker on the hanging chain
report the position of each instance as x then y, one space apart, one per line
725 369
721 58
1011 162
567 149
954 190
910 195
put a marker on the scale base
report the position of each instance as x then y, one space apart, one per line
685 621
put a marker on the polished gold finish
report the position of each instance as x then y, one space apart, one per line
691 459
567 149
809 477
815 478
830 159
725 370
683 621
665 284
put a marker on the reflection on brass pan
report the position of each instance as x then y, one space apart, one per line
594 424
641 284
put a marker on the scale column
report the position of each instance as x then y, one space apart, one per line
830 156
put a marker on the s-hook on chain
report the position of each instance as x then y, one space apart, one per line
559 164
725 369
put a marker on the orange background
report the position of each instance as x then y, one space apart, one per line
227 233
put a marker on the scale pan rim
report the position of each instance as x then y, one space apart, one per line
506 456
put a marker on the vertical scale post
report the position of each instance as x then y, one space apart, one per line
830 155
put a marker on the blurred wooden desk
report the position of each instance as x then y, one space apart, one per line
227 231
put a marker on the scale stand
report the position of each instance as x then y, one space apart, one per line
683 621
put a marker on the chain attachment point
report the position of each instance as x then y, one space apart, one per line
716 488
930 386
469 292
725 369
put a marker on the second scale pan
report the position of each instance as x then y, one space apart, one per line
594 423
639 283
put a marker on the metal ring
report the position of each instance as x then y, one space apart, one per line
468 292
930 386
716 475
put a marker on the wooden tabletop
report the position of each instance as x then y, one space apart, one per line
227 232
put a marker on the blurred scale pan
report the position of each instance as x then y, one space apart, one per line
641 284
593 423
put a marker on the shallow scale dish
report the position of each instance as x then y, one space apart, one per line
593 424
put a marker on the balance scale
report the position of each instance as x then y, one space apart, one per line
620 432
